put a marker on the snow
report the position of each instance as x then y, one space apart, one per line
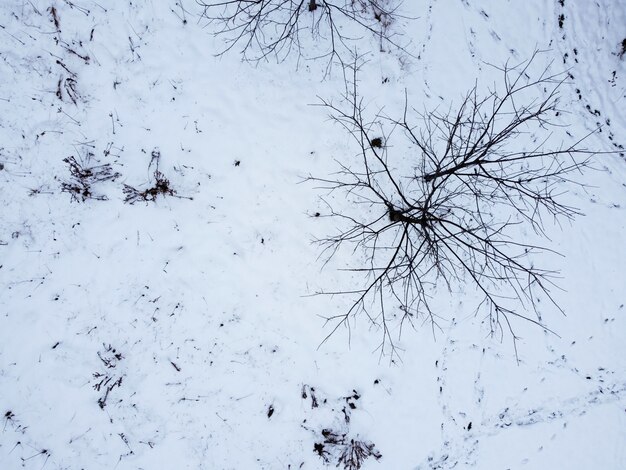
207 295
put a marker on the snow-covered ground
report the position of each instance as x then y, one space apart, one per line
182 333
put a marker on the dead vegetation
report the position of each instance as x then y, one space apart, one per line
84 175
160 186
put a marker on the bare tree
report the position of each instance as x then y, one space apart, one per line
448 218
263 28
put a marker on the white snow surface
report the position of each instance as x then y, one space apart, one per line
202 304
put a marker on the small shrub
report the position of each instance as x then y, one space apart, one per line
84 176
161 185
349 453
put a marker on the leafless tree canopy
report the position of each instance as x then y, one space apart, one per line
448 218
263 28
